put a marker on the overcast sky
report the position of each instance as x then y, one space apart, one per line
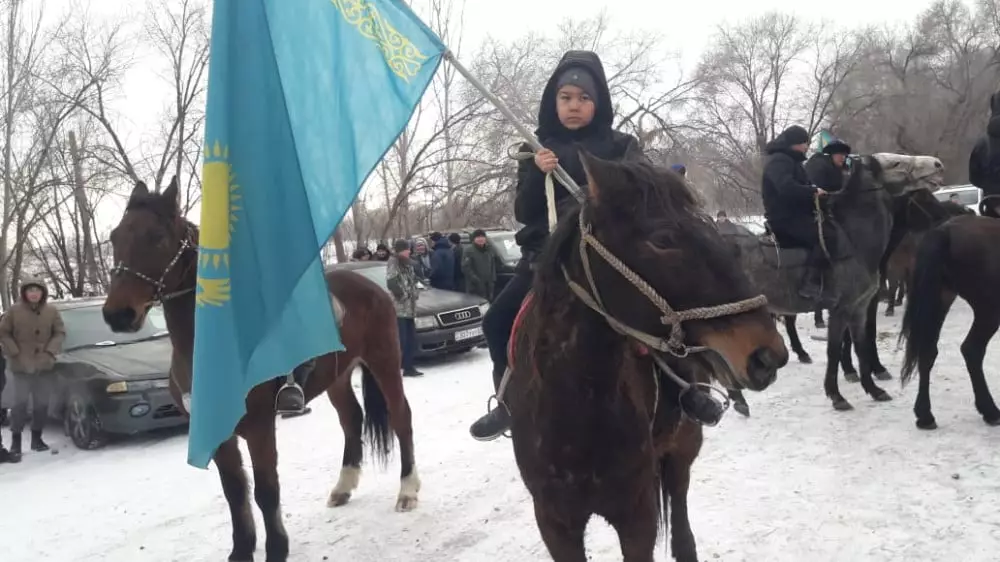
686 27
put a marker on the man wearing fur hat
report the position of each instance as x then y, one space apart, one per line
826 169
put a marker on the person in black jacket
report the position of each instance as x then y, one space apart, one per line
575 113
442 274
789 205
456 248
984 162
826 169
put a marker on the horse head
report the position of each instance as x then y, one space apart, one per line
641 253
902 172
154 249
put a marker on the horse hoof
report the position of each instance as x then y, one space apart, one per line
882 396
992 422
927 425
805 358
842 405
406 503
852 377
883 376
742 408
338 499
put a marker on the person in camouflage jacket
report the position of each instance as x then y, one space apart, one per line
401 279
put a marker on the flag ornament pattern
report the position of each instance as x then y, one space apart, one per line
402 56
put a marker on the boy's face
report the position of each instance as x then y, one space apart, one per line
574 107
33 294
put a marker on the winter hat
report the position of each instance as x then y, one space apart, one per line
382 246
435 236
795 135
581 78
400 245
455 238
680 169
837 146
477 233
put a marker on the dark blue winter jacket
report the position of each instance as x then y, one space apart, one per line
443 266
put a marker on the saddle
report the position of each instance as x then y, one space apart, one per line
787 256
518 322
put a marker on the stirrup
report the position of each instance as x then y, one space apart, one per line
293 386
703 401
500 404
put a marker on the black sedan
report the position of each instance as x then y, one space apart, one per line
447 321
113 383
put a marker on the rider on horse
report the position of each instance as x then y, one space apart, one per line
575 113
827 169
984 163
790 203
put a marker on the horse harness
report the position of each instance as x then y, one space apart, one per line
159 285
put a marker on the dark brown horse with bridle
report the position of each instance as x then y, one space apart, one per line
155 252
636 300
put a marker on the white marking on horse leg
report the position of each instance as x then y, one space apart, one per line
346 484
186 399
408 488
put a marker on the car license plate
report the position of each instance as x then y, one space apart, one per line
463 335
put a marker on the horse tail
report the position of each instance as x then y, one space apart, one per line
377 432
925 307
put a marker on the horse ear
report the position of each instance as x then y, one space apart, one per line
599 178
140 190
173 192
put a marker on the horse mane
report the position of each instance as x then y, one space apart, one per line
857 172
656 202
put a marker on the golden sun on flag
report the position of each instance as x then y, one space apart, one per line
220 202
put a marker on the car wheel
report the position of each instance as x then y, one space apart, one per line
82 423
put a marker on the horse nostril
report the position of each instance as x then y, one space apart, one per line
938 165
767 359
120 319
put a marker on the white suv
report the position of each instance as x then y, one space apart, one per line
968 195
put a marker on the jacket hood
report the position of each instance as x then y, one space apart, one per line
34 282
993 128
442 244
787 139
418 241
548 120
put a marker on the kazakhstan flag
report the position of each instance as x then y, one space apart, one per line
304 98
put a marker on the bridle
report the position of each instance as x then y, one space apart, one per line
674 344
161 294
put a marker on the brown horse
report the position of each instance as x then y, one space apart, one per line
960 258
156 260
636 297
898 269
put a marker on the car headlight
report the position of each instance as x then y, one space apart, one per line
117 387
425 322
483 308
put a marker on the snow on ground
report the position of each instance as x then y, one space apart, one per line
795 482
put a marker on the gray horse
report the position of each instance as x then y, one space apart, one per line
863 210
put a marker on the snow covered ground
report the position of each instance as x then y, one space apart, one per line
796 482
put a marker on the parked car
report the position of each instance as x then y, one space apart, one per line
503 240
968 195
447 321
110 383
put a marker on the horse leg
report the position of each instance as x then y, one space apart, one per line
984 326
675 471
739 402
925 362
818 318
834 348
890 307
871 334
352 418
850 373
856 325
793 338
229 461
385 397
266 489
561 532
637 527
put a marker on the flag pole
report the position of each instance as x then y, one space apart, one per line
561 174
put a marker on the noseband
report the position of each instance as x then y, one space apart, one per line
159 285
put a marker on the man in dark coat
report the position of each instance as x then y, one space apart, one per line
481 264
826 169
442 263
789 205
457 249
575 113
984 163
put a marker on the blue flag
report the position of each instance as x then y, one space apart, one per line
304 99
